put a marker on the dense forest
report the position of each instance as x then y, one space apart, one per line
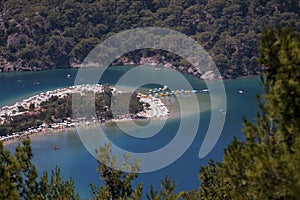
41 34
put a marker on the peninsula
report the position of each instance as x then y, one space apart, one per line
52 110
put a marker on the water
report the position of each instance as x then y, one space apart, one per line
76 162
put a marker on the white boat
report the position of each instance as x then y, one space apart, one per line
241 91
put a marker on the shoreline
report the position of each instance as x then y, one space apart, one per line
157 110
172 106
164 104
153 65
68 129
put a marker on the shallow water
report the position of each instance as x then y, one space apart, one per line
77 162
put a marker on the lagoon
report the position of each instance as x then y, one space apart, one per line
75 160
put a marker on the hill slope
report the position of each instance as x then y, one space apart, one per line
41 34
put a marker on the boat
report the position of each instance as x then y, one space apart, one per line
241 91
68 76
56 147
36 83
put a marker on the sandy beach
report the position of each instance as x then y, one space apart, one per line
159 110
109 123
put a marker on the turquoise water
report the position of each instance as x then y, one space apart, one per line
76 162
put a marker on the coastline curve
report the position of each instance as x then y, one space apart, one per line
164 39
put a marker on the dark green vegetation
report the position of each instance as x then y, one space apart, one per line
57 110
120 106
20 123
19 178
118 185
266 165
43 34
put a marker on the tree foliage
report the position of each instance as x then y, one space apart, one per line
19 178
37 34
266 164
118 177
167 191
117 182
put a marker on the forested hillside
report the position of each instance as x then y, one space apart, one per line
42 34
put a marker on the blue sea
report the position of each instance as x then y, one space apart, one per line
78 163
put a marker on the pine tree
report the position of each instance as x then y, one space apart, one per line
117 182
167 191
267 164
19 178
